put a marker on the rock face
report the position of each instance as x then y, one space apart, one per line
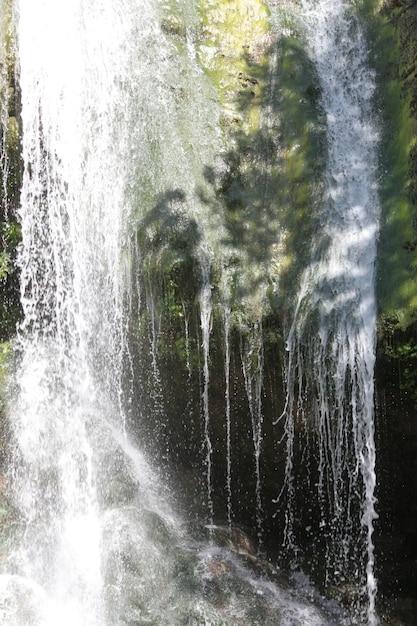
396 372
273 135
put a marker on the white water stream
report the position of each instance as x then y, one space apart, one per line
71 343
330 340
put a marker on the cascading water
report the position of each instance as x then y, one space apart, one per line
330 339
71 343
121 132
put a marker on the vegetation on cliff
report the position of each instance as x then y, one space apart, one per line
10 175
393 32
397 260
10 182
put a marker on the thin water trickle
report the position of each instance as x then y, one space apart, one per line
187 341
226 315
206 326
252 366
8 125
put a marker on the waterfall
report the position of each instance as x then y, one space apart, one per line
141 177
71 344
330 336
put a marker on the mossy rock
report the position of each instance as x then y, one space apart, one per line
393 29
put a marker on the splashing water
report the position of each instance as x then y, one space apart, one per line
331 339
71 342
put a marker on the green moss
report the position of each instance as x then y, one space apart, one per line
172 26
237 52
175 304
10 175
406 354
303 148
397 258
234 52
